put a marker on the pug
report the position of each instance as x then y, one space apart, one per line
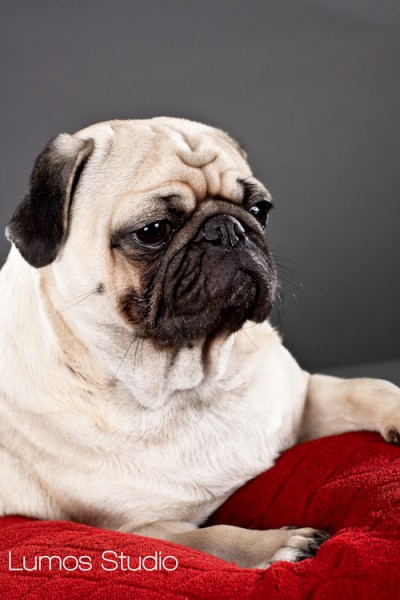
141 383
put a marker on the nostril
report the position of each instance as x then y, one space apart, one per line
238 229
235 231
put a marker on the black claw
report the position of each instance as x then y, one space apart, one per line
321 536
314 544
393 436
312 548
302 555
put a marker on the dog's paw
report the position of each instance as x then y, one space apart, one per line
300 544
386 408
391 435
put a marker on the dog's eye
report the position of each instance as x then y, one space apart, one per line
154 233
260 211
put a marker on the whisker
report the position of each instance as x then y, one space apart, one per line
249 338
81 300
124 357
279 306
136 351
141 359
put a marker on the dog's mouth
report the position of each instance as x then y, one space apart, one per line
213 286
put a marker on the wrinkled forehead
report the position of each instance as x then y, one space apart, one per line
193 161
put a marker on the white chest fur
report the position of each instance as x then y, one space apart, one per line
139 465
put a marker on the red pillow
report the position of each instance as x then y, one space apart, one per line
348 485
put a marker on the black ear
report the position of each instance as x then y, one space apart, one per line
39 225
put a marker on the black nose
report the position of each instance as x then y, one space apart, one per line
223 229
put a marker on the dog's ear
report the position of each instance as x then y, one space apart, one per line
40 223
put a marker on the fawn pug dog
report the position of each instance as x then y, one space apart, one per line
140 381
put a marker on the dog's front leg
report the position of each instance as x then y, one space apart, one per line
335 405
247 547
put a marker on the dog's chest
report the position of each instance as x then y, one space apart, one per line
182 463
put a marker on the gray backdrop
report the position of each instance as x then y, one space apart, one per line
312 88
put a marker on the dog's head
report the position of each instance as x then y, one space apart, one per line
162 216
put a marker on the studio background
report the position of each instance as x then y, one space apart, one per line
311 88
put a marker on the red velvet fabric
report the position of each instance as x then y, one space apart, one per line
347 484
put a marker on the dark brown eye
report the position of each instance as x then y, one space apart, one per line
260 211
154 233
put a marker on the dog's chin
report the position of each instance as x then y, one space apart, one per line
217 316
209 290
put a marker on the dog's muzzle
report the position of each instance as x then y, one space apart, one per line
221 278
